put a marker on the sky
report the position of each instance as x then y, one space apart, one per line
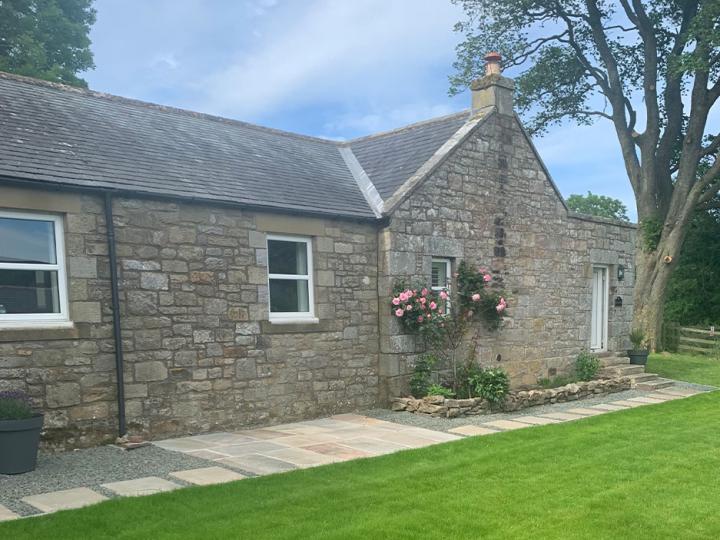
330 68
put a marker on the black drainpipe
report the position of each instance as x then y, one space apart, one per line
117 334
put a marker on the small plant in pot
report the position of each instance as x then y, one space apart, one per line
639 353
20 428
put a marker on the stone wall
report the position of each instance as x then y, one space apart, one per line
492 204
200 354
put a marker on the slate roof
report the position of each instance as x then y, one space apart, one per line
61 135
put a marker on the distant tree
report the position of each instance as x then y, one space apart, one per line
46 39
598 205
693 296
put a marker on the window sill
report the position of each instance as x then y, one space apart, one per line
41 332
289 320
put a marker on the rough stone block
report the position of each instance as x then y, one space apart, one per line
154 281
150 371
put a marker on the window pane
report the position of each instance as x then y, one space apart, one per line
439 274
29 291
27 241
289 296
286 257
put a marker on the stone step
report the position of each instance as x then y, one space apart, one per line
643 377
656 384
608 361
623 370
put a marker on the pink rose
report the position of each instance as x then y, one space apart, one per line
500 308
475 297
420 318
487 277
403 297
443 295
396 301
424 292
409 293
423 300
433 305
399 312
408 308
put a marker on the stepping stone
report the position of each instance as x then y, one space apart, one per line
648 400
608 407
64 499
471 430
628 403
140 486
563 416
505 425
676 391
258 464
207 476
663 397
586 412
6 514
536 420
185 444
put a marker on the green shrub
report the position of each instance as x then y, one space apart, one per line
15 405
421 378
438 390
465 385
586 366
492 385
637 338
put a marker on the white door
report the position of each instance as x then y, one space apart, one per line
598 333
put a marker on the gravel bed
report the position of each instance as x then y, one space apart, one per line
90 468
445 424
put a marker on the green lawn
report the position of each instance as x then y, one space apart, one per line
651 472
681 367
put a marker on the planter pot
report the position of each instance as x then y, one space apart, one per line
19 441
638 358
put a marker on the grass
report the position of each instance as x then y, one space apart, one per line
682 367
651 472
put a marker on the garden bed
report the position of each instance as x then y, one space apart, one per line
440 406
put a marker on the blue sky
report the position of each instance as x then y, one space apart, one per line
330 68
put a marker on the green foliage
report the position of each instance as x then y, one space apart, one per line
693 295
586 366
46 39
555 382
491 384
637 338
598 205
650 231
467 374
476 297
421 379
15 406
438 390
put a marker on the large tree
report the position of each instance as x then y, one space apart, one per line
597 205
47 39
649 67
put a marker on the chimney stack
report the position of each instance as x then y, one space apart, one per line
493 90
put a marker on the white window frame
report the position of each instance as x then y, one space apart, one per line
448 279
21 320
300 317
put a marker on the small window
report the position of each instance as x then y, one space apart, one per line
32 270
441 277
290 279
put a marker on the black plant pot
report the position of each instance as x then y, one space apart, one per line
19 441
638 358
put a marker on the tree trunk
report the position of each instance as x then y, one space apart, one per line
652 275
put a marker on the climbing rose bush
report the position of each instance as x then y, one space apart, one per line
417 307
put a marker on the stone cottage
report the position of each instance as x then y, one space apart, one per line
233 274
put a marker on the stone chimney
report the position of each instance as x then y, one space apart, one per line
493 90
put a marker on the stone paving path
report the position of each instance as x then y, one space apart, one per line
238 455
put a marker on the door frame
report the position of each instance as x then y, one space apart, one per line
606 301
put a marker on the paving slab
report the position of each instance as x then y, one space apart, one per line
221 439
258 447
410 439
664 397
608 407
265 434
258 464
676 391
298 441
64 499
301 457
504 425
627 403
645 399
6 514
536 420
373 446
182 444
471 430
141 486
207 476
437 436
564 416
585 411
339 451
208 454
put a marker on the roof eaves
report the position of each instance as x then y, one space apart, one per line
367 188
437 159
